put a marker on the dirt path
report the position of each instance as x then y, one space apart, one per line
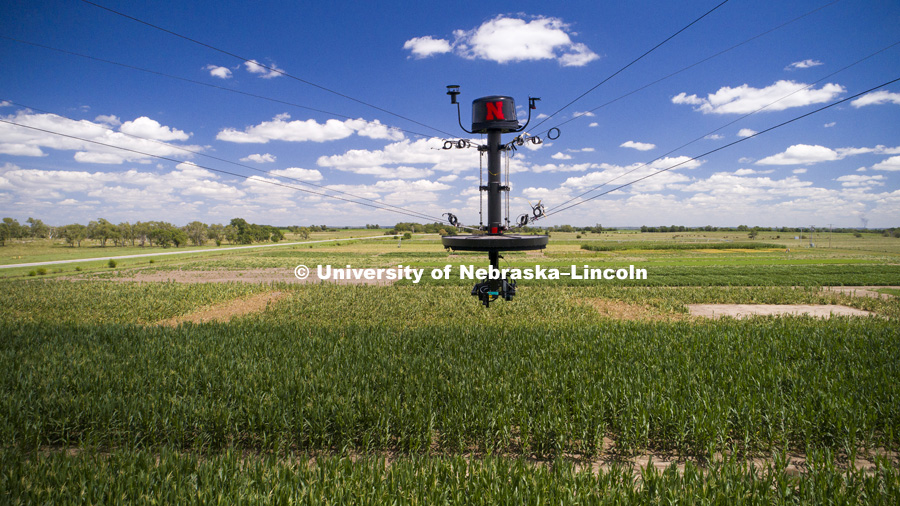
225 311
746 310
861 291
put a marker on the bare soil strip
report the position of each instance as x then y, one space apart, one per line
620 310
225 311
861 291
745 310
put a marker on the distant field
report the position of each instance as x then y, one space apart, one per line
415 391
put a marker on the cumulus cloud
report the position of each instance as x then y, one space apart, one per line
640 146
281 129
220 72
891 164
876 98
84 136
259 158
152 129
298 173
111 120
561 156
264 71
422 152
805 64
746 132
855 181
805 154
745 99
750 172
423 47
615 175
510 39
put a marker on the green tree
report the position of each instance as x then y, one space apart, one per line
197 232
126 233
141 232
74 234
10 229
37 228
216 232
102 230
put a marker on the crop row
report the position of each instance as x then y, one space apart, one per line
669 245
172 477
508 386
106 302
400 305
849 274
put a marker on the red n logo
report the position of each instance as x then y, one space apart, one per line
494 110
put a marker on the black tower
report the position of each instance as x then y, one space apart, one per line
494 115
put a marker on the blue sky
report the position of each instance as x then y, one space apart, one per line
840 166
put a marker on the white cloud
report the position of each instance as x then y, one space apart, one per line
552 167
714 137
561 156
259 158
799 171
423 47
301 131
853 180
579 114
640 146
829 125
616 175
151 129
265 71
801 154
750 172
426 152
876 98
111 120
804 154
374 130
510 39
15 149
746 99
891 164
805 64
746 132
83 137
220 72
298 173
449 178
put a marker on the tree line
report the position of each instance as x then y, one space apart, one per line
146 233
239 231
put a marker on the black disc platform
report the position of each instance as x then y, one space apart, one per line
495 242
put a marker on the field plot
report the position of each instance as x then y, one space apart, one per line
412 392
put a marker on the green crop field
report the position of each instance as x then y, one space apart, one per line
413 393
